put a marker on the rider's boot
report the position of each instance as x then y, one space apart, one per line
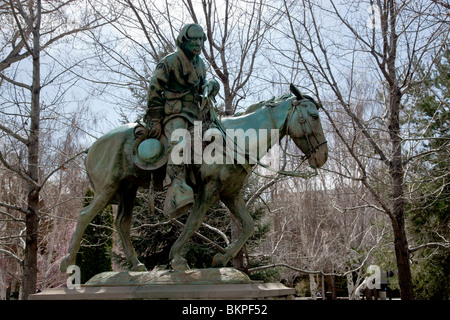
180 196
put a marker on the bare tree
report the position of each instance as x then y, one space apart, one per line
386 41
33 29
59 201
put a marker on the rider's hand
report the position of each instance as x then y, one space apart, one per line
213 88
155 130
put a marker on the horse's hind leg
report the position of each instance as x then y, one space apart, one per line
239 210
86 216
123 226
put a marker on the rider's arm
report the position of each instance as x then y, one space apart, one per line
155 100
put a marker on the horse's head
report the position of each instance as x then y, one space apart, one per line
304 127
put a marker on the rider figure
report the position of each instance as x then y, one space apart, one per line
174 99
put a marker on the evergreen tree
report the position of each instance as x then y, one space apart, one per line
428 210
94 255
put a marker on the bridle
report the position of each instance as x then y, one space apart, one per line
304 121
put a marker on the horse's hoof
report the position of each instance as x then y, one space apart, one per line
219 260
180 265
139 267
65 263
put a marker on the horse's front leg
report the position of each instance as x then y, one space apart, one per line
203 201
239 210
86 216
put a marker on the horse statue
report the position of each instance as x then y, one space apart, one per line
116 178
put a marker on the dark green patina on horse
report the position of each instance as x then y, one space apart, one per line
116 178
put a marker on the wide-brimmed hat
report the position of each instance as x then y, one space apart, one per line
150 154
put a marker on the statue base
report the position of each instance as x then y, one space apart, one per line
210 284
170 277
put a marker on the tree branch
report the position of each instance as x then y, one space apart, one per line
262 189
15 83
430 245
19 173
12 255
219 232
12 207
12 217
59 167
202 237
13 134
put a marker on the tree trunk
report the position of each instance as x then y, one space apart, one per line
29 280
330 285
402 257
388 22
228 99
398 203
312 286
350 286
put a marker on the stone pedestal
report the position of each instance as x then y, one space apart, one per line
210 284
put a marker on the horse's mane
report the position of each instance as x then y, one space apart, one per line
271 102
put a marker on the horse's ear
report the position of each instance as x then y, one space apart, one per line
296 92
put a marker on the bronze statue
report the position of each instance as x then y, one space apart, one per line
115 177
176 96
